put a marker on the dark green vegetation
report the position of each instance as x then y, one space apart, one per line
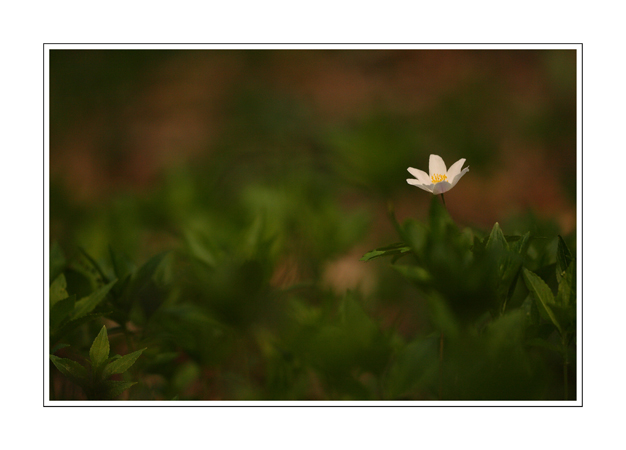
500 329
212 324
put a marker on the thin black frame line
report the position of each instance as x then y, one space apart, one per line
319 43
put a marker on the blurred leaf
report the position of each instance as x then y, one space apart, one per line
415 367
99 351
60 311
199 249
146 272
58 290
113 389
122 364
122 266
566 294
442 316
87 304
71 369
509 268
95 265
566 316
416 274
563 259
496 240
83 275
185 375
143 287
543 296
520 244
389 250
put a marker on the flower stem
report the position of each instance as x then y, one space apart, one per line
443 200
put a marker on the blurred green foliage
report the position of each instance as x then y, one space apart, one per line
211 318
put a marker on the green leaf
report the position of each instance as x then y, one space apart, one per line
509 267
99 351
143 278
415 274
496 240
70 369
58 290
442 316
95 265
200 250
415 367
393 249
520 245
122 266
543 296
563 259
566 316
61 311
146 272
115 388
122 364
86 304
566 294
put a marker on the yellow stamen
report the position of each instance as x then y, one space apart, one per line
437 178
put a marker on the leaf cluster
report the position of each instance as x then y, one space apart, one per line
94 377
501 307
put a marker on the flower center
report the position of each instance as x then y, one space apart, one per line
437 178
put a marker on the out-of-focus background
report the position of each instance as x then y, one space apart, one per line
278 165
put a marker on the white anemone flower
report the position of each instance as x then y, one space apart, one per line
440 180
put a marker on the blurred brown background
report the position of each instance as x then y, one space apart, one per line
119 117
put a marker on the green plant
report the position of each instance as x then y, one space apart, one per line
94 377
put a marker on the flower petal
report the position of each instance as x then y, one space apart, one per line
420 175
414 182
436 165
458 177
441 187
455 169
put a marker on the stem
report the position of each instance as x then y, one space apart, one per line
443 200
440 365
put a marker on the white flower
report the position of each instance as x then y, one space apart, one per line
440 180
